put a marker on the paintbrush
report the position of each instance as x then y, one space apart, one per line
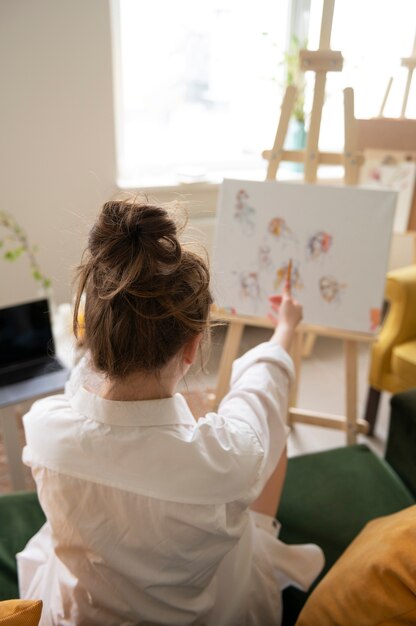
288 282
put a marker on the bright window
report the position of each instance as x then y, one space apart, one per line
199 88
372 35
200 84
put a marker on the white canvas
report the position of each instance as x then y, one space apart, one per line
337 237
383 171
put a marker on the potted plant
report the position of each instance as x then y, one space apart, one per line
15 243
296 138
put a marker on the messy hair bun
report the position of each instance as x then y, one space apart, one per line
145 294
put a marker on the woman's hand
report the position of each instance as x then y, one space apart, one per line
290 314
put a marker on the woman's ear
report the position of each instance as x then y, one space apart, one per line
190 349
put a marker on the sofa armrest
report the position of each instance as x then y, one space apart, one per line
400 323
21 517
401 441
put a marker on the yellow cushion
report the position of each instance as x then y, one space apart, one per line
373 582
403 362
20 612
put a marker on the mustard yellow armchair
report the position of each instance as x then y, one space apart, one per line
393 355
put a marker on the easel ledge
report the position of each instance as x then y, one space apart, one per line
264 322
349 422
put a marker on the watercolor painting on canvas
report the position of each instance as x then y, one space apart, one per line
339 265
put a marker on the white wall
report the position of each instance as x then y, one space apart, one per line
57 143
200 202
57 148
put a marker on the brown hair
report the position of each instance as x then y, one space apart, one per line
146 295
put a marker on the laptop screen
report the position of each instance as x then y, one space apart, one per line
25 334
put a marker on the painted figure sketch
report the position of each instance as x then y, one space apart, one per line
250 286
264 257
279 229
390 171
331 289
318 244
250 290
296 283
244 214
325 230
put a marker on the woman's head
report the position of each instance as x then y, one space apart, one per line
146 296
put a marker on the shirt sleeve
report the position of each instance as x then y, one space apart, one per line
258 397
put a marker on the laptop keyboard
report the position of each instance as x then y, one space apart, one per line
28 372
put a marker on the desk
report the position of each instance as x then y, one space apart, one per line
13 396
27 392
348 422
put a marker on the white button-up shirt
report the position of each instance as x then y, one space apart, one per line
147 509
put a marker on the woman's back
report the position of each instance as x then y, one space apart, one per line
147 510
149 504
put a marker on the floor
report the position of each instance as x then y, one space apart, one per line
321 388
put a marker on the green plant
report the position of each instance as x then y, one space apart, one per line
294 76
17 243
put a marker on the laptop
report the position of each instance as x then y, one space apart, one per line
28 364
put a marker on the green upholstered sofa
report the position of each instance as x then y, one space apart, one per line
328 498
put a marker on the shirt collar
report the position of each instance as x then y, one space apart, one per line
174 410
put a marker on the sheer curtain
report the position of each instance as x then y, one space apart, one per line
199 87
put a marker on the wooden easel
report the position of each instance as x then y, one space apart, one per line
410 63
393 136
320 61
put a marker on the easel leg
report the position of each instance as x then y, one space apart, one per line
311 155
406 92
350 127
308 345
286 112
351 357
229 354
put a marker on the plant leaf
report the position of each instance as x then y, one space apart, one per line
12 255
36 275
